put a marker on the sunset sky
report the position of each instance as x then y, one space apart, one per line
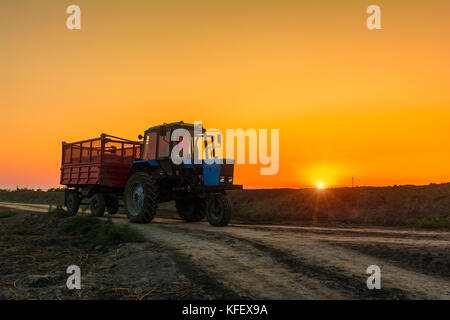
348 101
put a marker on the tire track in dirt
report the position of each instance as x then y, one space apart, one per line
30 207
316 252
354 231
210 285
351 287
413 238
247 271
433 261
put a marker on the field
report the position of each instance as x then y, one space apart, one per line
422 206
281 244
171 259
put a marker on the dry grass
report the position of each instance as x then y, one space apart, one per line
92 232
52 196
35 250
6 213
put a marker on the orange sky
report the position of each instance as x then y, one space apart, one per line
348 101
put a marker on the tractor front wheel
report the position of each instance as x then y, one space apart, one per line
218 210
141 197
98 205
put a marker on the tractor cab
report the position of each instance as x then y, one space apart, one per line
157 143
195 170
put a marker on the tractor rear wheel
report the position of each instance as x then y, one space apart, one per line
218 210
191 210
141 197
98 205
72 202
112 205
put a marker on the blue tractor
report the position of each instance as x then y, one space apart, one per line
197 187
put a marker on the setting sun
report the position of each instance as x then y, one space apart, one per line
320 185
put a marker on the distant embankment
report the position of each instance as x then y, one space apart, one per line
53 196
422 206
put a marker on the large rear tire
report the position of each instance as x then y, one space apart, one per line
191 209
98 205
218 210
141 197
72 202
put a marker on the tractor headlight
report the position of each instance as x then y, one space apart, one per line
230 179
221 179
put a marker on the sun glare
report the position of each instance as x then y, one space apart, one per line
320 185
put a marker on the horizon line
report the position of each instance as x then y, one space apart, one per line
252 187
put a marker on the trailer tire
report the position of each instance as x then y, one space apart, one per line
98 205
112 206
218 210
141 197
190 210
72 202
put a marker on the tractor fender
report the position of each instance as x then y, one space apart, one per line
147 166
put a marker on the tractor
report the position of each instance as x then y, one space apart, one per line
143 174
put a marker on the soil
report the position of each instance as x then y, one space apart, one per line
197 261
34 258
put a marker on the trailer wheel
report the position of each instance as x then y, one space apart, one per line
98 205
112 206
141 197
72 202
191 210
218 210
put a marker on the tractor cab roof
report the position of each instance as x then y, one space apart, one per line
173 125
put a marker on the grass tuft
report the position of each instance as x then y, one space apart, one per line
6 213
91 231
431 222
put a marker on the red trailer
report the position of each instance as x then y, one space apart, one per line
97 169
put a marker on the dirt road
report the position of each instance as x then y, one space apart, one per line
285 262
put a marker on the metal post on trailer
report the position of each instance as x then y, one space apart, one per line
90 151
